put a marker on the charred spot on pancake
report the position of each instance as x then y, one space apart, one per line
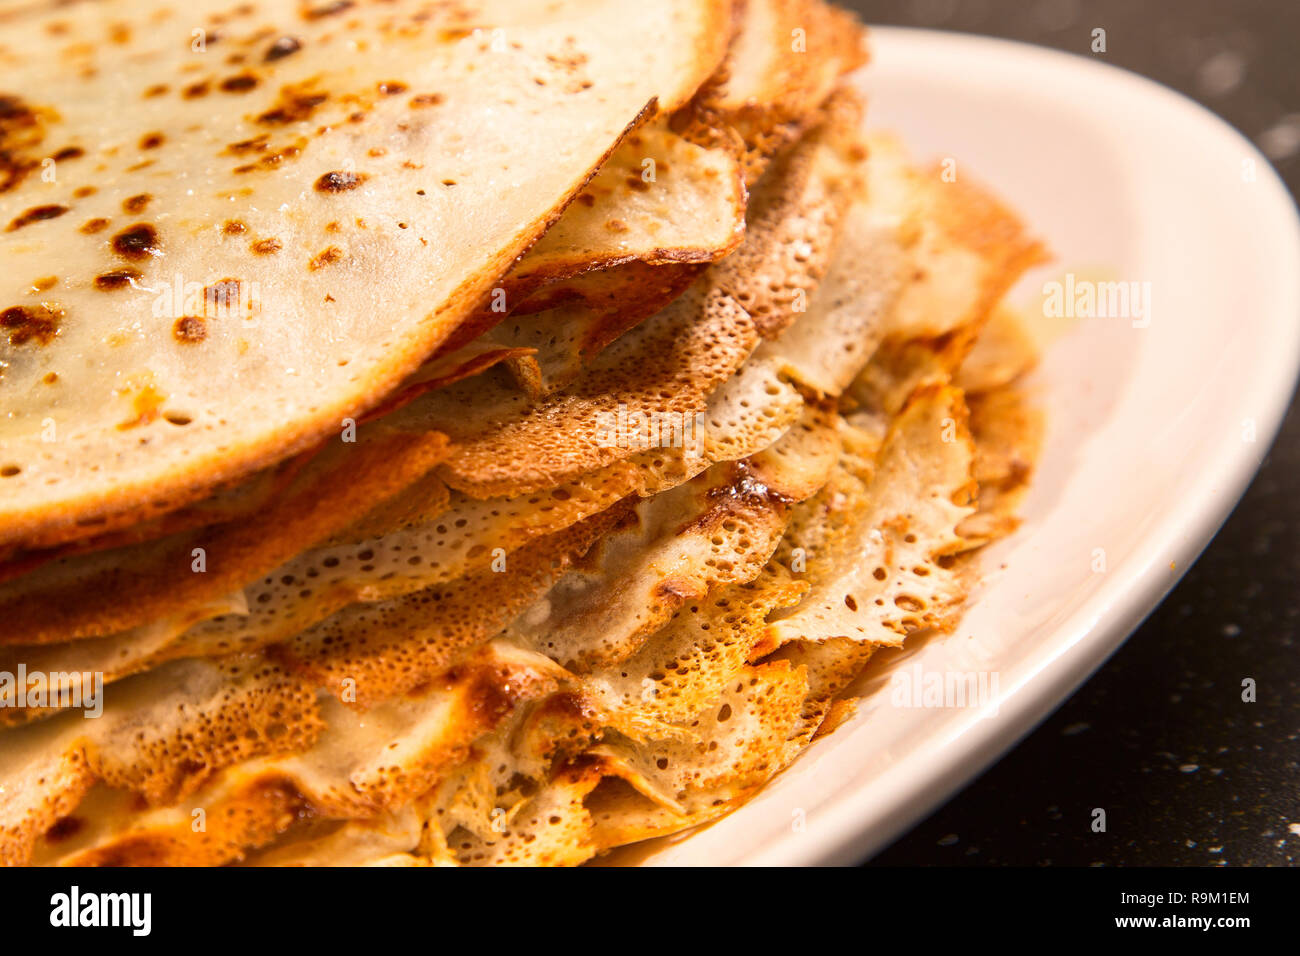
293 106
158 89
45 283
136 204
196 90
152 140
266 247
255 145
31 323
81 192
239 83
325 257
69 152
21 130
117 279
13 109
189 330
272 160
284 46
36 214
234 227
63 828
50 378
421 100
92 226
339 181
327 9
392 88
137 242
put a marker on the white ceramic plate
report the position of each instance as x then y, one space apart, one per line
1154 432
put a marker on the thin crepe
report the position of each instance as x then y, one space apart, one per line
339 142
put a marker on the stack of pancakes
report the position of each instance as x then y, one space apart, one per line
469 433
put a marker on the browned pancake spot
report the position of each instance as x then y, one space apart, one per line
327 9
339 181
293 106
31 323
189 330
117 279
281 48
36 214
222 294
137 242
239 83
325 257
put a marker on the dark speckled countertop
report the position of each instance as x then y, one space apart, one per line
1159 735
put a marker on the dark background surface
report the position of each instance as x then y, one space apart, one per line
1159 736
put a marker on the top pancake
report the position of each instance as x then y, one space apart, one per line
225 232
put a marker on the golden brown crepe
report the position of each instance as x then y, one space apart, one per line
631 486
